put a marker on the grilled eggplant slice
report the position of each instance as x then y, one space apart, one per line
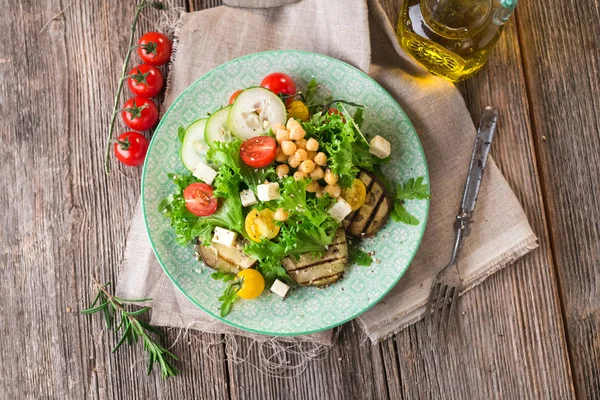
226 259
370 218
310 270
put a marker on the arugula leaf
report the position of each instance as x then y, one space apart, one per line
311 92
358 256
229 296
358 116
271 269
223 276
413 189
181 133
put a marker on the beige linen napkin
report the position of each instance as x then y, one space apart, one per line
358 33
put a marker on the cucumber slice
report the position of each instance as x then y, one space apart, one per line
217 129
254 112
193 147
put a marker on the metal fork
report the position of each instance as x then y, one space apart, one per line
447 283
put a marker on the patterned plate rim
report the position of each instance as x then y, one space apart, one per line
217 316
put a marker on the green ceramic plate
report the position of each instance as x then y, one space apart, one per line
305 310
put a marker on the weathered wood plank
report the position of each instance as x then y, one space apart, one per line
505 351
68 220
562 63
353 369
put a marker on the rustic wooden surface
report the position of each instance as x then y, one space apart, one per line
529 331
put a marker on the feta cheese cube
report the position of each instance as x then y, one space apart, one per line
268 191
224 236
248 197
205 173
340 210
279 288
380 147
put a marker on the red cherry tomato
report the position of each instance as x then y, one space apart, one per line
145 81
140 113
234 96
259 151
200 200
333 110
130 148
155 48
279 83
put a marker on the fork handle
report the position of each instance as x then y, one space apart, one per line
481 150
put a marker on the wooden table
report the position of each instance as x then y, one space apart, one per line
530 331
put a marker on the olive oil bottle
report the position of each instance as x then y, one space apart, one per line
452 38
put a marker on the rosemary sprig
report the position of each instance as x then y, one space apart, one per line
133 328
138 9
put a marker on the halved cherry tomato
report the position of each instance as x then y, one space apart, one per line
259 151
333 110
253 284
234 96
199 199
279 83
261 225
355 195
130 148
155 48
140 113
145 80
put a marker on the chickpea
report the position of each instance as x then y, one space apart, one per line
280 215
280 157
297 133
317 174
274 127
301 144
299 175
293 161
331 178
307 166
311 154
281 135
291 123
301 155
288 147
320 159
313 187
319 192
312 144
282 170
333 190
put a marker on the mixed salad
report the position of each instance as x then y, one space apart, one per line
280 189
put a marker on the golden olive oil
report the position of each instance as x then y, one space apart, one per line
451 38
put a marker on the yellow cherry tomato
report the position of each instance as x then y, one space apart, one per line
253 284
298 110
261 225
355 195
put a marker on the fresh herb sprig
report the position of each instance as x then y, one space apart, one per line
230 294
412 189
113 307
138 9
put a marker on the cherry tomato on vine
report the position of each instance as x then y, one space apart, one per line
130 148
259 151
200 200
279 83
155 48
234 96
253 284
145 80
140 113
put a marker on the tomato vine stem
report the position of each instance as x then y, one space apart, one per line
138 9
